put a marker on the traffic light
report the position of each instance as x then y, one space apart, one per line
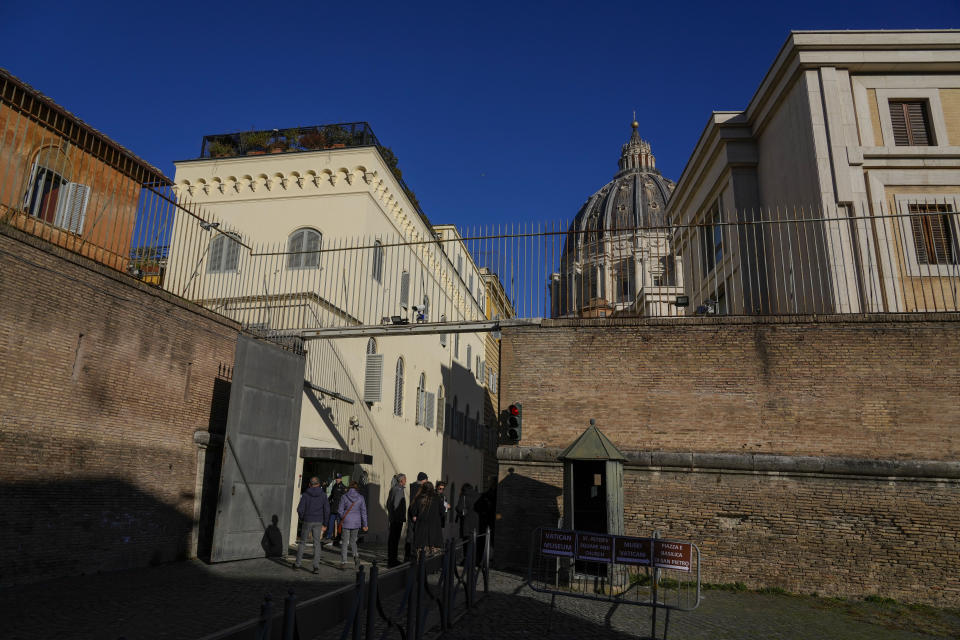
515 421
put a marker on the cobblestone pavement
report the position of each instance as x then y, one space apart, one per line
512 610
191 600
183 600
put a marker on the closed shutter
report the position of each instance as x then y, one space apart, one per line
373 380
910 122
931 234
72 206
295 258
429 408
405 289
313 244
232 257
441 414
216 253
940 239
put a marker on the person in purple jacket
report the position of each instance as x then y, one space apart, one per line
314 510
353 516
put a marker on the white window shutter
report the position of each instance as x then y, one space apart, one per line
72 206
374 378
405 289
216 253
430 401
313 244
232 257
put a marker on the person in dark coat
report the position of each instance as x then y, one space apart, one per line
427 513
397 513
467 514
314 510
411 525
337 491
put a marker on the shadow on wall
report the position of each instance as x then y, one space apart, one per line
87 526
523 504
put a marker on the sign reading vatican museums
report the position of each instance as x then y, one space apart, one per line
555 542
597 547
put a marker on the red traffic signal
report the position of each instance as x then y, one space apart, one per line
515 421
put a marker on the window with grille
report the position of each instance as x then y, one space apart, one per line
303 249
911 123
224 254
398 390
933 235
377 267
51 197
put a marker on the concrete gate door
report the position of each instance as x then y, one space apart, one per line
259 451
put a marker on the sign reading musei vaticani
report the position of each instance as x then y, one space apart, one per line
596 547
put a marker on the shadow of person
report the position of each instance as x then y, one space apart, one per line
272 541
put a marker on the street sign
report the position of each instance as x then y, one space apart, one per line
635 551
595 547
672 555
555 542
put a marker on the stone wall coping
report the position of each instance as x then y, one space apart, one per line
759 462
92 265
708 321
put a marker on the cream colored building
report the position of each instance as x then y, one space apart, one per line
310 238
836 189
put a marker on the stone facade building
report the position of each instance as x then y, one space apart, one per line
617 257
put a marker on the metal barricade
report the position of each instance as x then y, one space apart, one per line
654 572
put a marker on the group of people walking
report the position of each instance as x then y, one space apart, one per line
339 517
339 514
427 515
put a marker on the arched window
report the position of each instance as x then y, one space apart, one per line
398 390
421 417
51 196
224 253
469 349
299 247
373 374
377 267
441 409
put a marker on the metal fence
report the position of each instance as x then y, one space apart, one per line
431 593
654 572
898 257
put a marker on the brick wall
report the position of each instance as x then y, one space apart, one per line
875 399
833 535
879 387
103 384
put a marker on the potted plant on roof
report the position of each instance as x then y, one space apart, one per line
313 140
222 149
337 137
291 138
255 143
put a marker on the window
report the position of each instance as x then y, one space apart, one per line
933 235
421 416
50 195
224 253
441 409
477 370
459 265
453 418
910 120
443 336
624 277
377 267
469 349
301 243
405 289
456 346
398 390
711 240
374 374
471 284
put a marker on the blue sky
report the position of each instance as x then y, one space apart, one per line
497 111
